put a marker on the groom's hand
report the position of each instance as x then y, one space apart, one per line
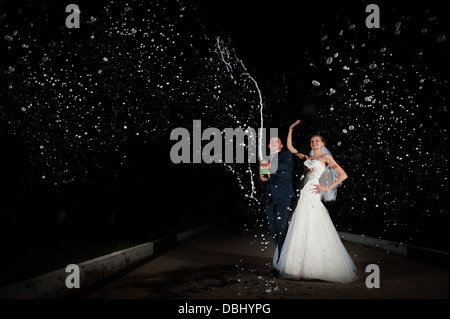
263 178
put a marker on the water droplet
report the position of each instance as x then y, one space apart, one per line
315 83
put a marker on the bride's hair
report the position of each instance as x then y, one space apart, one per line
321 138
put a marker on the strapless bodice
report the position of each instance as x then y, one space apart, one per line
314 167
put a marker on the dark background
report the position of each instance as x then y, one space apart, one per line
90 137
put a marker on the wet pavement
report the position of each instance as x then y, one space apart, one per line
226 263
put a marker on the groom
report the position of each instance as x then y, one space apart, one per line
279 190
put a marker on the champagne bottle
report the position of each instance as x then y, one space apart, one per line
264 169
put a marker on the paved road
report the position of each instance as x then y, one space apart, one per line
229 264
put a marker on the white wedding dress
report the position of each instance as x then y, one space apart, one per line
313 249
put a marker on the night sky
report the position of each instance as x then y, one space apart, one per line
86 114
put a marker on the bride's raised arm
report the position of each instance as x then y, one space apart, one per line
289 141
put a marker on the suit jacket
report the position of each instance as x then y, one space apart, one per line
280 182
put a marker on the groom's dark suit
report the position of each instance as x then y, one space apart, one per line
279 193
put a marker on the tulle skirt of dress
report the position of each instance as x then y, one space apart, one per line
313 249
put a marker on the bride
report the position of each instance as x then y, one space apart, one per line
313 249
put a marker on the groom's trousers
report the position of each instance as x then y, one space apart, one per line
278 212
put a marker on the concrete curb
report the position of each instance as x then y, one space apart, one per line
53 284
432 256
